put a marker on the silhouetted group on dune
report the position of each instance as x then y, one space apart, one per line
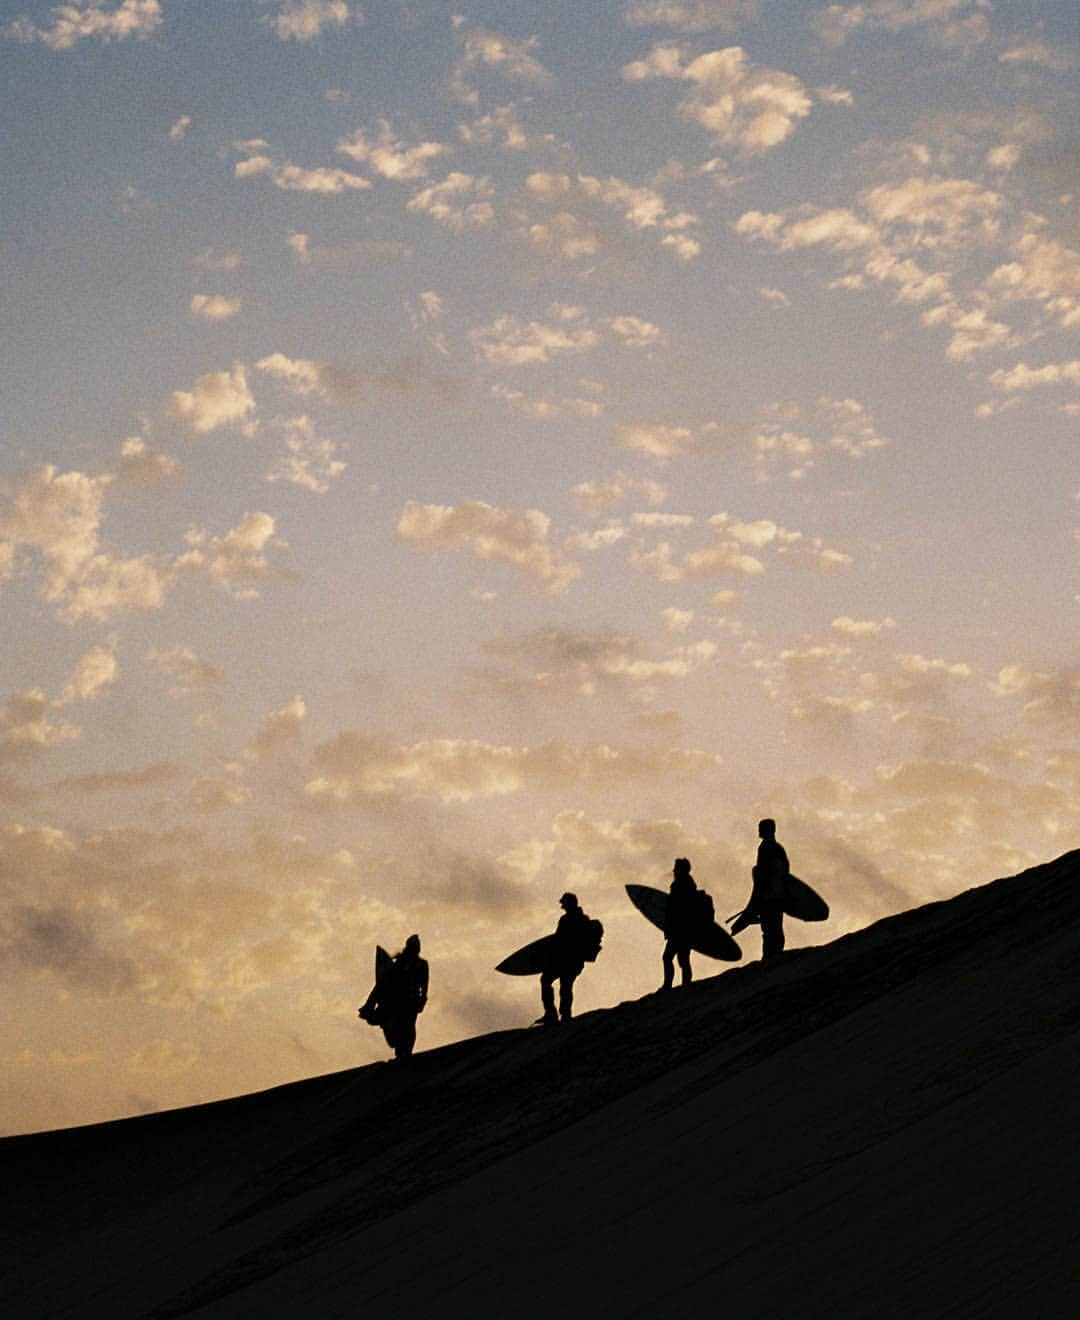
685 914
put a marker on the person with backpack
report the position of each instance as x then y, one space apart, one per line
576 941
399 997
688 910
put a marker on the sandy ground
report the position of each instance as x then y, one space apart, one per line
882 1126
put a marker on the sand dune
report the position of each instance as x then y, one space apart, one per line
882 1126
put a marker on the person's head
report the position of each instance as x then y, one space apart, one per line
568 902
766 828
681 867
412 945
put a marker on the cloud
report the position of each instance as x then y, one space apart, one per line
162 1058
353 768
190 673
344 256
748 107
657 439
597 497
512 536
280 730
1038 52
304 20
58 515
484 130
25 727
389 157
1022 377
948 22
483 49
209 795
179 130
156 775
218 399
214 307
568 235
553 661
342 384
240 560
848 627
72 23
96 670
1052 699
1044 271
139 465
458 201
295 178
309 462
691 15
510 342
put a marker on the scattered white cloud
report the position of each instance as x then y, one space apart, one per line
178 131
214 307
516 537
849 627
952 23
568 234
304 20
389 157
659 440
280 730
353 767
309 462
241 560
598 497
58 516
25 727
83 19
190 674
139 465
691 15
509 342
218 399
459 201
296 178
483 49
1022 377
744 106
96 671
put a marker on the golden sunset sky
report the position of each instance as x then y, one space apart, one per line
453 455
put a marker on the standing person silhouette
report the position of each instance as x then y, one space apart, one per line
684 915
770 874
575 942
399 998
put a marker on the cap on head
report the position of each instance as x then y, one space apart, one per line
682 866
568 900
766 828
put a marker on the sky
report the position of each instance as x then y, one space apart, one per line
452 455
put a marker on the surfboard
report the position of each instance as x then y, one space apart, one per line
800 901
713 940
370 1009
529 960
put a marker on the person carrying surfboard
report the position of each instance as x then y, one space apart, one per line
576 941
770 875
399 997
688 909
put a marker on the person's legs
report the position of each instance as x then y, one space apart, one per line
547 997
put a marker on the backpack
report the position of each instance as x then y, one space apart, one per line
706 913
591 938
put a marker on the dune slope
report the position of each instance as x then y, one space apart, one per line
884 1125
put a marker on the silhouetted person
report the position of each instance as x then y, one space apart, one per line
767 898
399 997
688 908
576 942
